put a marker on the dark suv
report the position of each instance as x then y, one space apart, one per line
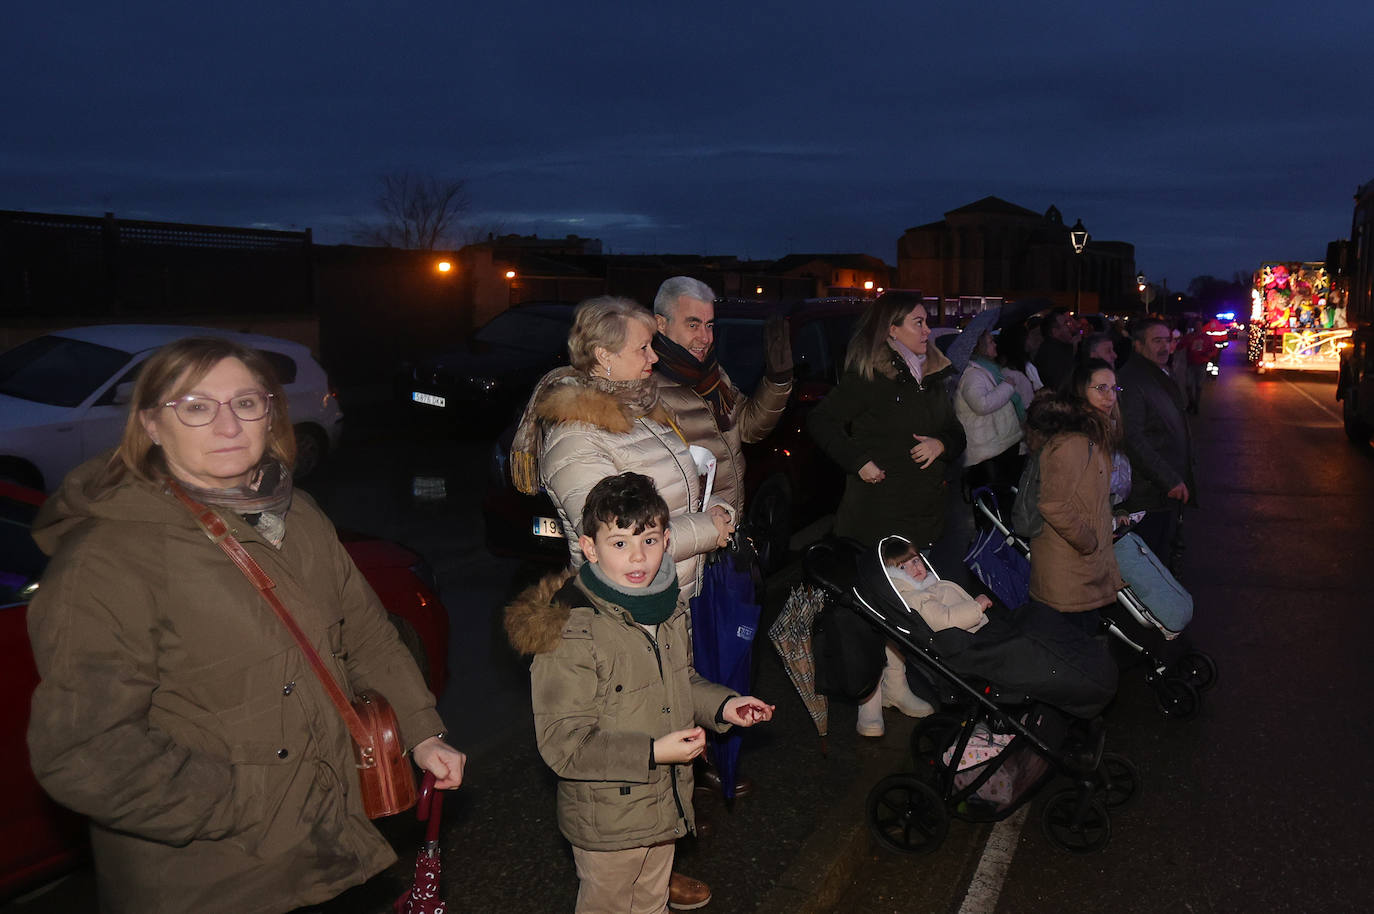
789 482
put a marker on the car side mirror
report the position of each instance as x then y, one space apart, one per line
123 393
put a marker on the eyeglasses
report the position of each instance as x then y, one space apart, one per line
197 411
1103 388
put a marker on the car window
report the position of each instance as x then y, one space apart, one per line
58 371
283 365
130 376
526 330
739 348
21 562
811 354
838 330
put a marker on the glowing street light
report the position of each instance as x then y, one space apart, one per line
1078 237
868 285
444 266
510 274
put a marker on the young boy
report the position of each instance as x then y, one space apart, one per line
618 708
942 604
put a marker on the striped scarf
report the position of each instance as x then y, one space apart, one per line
678 365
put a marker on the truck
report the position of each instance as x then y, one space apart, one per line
1355 381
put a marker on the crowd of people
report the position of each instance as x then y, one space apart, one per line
180 716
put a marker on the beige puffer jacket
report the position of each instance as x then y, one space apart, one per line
603 690
590 436
752 419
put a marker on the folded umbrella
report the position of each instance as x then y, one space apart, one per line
423 896
791 637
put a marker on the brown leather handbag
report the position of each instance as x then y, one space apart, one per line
384 773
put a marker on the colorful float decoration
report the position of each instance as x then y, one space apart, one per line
1296 322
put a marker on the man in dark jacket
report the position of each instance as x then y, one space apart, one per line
1054 358
1158 440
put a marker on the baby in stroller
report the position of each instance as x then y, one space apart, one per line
1030 650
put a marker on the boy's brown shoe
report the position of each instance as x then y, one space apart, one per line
687 894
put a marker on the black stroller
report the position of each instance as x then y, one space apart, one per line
990 748
1178 685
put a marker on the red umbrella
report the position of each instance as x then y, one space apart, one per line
423 896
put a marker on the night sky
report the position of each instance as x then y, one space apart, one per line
1210 135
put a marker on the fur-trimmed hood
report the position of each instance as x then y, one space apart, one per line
535 618
578 403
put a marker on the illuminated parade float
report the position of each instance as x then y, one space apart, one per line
1297 322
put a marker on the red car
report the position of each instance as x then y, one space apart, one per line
39 838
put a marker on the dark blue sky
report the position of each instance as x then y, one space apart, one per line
1210 135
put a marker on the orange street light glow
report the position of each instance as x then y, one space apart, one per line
445 266
868 285
510 274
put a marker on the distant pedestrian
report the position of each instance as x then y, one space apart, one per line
1055 357
1198 350
1098 346
619 710
1158 440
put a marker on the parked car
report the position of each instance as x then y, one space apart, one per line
490 376
789 482
40 839
64 396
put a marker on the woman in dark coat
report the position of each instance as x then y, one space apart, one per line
891 425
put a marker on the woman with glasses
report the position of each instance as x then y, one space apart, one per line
174 708
1094 382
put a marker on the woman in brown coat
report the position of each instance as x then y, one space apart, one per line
174 708
1073 568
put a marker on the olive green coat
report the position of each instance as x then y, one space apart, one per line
176 711
603 690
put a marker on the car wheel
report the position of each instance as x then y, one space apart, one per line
411 639
21 473
770 516
311 448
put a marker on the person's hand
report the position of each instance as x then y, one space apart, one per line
777 349
724 525
680 746
983 600
1179 493
746 710
869 472
441 760
926 450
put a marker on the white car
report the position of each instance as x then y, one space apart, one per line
64 396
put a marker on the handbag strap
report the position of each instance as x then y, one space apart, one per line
218 532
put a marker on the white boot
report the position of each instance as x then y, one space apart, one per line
895 691
871 714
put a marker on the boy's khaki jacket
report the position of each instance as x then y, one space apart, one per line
603 690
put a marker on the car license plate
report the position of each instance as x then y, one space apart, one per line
548 526
419 396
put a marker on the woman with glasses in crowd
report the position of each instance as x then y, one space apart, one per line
174 708
1094 382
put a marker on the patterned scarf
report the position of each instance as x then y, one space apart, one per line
678 365
263 502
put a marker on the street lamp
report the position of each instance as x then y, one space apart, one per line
1140 286
1078 236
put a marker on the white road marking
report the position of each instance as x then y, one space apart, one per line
987 880
1321 406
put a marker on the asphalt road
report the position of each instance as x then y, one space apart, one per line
1261 803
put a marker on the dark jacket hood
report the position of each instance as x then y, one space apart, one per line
86 494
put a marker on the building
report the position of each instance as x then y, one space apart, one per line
995 248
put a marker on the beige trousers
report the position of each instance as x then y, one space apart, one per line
633 881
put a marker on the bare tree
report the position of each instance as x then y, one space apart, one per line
418 212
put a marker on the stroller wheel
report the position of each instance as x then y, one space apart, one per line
1120 781
1077 822
929 740
1198 668
1176 697
906 815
